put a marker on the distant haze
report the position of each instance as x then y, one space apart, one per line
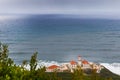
95 8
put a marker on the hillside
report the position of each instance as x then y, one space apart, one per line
105 74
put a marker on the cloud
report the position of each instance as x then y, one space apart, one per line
93 7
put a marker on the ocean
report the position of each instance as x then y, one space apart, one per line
61 38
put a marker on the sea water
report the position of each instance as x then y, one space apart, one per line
60 38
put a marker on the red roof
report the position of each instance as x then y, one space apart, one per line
72 62
85 62
53 67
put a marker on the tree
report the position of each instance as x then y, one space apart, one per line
78 74
33 62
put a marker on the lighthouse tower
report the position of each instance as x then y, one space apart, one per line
79 60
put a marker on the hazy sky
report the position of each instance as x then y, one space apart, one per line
86 7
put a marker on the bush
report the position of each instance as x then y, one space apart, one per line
10 71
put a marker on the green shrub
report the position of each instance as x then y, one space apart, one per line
10 71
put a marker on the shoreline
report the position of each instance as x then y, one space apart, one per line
52 63
112 67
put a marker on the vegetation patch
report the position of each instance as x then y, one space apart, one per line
10 71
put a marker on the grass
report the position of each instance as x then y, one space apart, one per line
105 73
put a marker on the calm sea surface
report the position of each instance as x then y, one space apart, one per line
61 39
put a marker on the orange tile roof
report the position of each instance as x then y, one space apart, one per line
53 67
72 62
85 62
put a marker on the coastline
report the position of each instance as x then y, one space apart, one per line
112 67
